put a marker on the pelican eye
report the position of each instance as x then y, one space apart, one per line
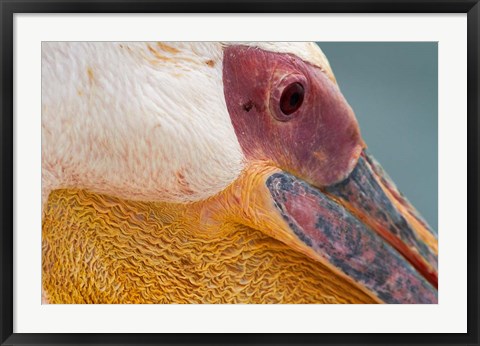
292 98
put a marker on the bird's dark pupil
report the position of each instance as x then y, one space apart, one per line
292 98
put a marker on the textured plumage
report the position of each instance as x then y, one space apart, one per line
158 126
98 249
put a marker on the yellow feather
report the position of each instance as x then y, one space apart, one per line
100 249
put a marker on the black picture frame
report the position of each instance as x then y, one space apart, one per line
9 7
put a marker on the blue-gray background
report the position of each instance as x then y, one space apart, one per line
392 87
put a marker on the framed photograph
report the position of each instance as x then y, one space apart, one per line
240 173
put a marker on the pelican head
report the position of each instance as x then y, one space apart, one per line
227 135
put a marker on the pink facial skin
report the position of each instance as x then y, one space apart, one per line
319 142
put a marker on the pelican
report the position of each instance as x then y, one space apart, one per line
216 172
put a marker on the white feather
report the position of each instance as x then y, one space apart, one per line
307 51
142 121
